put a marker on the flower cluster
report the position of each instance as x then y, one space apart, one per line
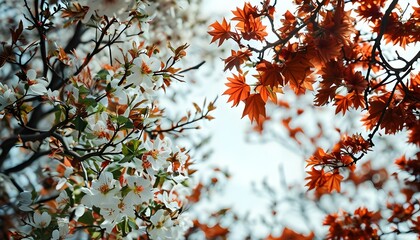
89 118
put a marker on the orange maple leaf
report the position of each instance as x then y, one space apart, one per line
296 69
358 101
249 23
238 89
254 108
332 74
288 24
305 84
414 134
325 95
214 232
343 102
379 104
290 234
236 59
253 29
317 157
371 12
316 178
220 32
243 14
270 74
333 180
355 81
323 49
267 92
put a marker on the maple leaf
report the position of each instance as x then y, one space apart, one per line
333 180
253 30
371 12
236 59
355 81
316 178
243 14
349 162
270 74
325 95
396 31
296 69
254 108
317 157
290 234
214 232
343 102
323 49
238 89
306 84
332 74
249 23
414 134
220 32
266 92
339 24
288 23
358 100
392 120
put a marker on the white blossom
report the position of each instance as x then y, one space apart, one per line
41 220
162 224
24 201
63 229
140 190
143 72
62 200
7 96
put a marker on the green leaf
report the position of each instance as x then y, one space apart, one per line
88 101
126 158
132 149
121 120
102 74
86 218
83 91
80 124
96 235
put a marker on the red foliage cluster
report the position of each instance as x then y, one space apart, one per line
318 48
321 48
360 225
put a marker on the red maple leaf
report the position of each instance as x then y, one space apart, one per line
270 74
267 92
290 234
332 181
254 108
316 178
325 95
220 32
317 157
243 14
236 59
343 102
238 89
249 23
214 232
296 69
